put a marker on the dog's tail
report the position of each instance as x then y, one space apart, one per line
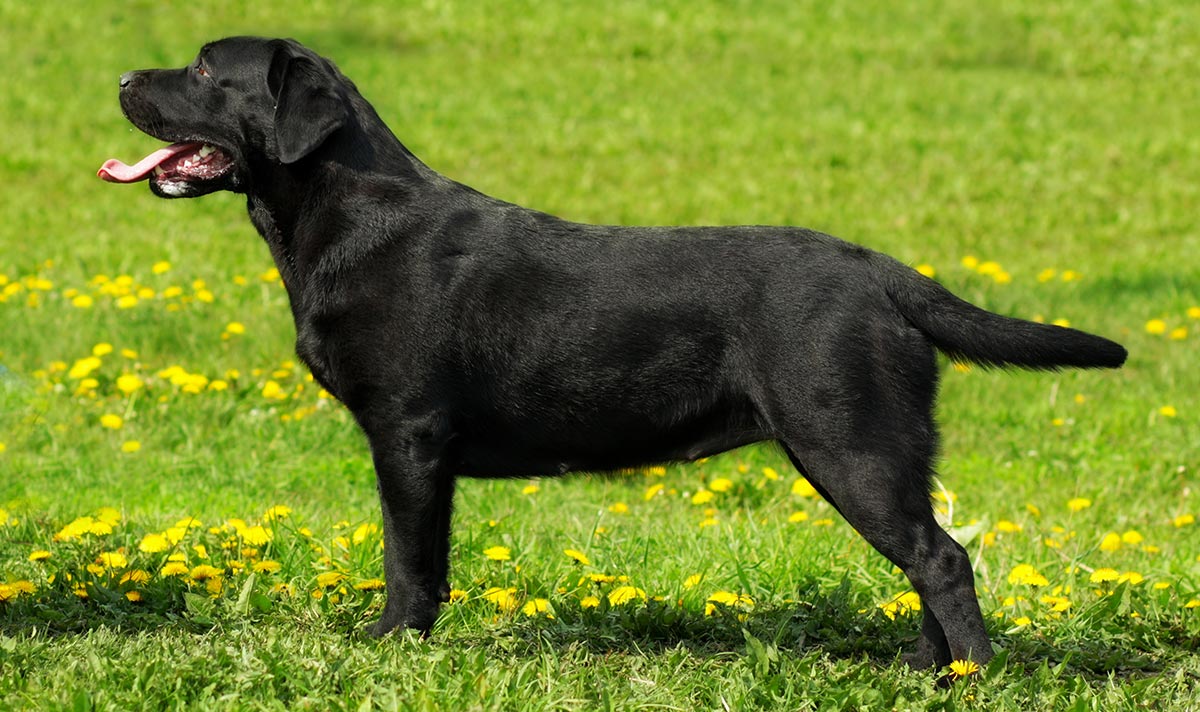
964 332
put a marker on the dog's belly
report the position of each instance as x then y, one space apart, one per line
603 446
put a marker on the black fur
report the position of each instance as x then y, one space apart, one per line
472 337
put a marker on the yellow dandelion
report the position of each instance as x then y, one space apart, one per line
370 585
112 560
498 553
1104 575
797 517
83 368
204 572
653 491
256 535
273 391
709 522
1110 542
721 485
1027 575
901 605
1184 520
1007 527
1156 326
1132 578
926 270
703 497
173 568
267 567
970 261
619 508
589 602
578 556
1179 333
1168 411
1132 537
693 580
538 606
1047 274
963 668
111 421
161 267
131 446
530 489
1021 621
504 598
329 579
39 555
1079 504
83 301
1193 312
129 383
624 594
803 488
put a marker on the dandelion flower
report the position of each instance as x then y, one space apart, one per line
926 270
1027 575
256 535
703 497
721 485
1110 542
267 567
693 580
1156 326
578 556
1007 527
797 517
530 489
653 491
161 267
1168 411
624 594
112 560
1104 575
1179 333
131 446
589 602
1132 537
498 553
111 421
619 508
504 598
803 488
329 579
370 585
129 383
538 606
173 568
1132 578
1184 520
963 668
83 301
204 572
970 261
901 605
39 555
1079 504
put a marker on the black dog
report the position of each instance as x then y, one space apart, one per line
469 336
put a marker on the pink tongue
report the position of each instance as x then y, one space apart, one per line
115 171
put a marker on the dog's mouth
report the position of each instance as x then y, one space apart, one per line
180 170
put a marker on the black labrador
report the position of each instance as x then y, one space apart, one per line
470 336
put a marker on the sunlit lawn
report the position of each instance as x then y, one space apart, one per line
187 520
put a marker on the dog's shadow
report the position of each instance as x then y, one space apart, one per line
830 622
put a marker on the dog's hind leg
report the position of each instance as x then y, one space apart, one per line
887 501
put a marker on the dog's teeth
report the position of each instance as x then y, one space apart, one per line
158 170
206 151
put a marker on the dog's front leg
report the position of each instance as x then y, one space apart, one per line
415 491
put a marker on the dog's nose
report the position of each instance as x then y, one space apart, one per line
127 79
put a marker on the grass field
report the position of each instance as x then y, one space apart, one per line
188 523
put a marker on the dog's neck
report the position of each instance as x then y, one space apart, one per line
300 206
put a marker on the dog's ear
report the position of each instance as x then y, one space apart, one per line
308 105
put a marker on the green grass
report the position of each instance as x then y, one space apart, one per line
1039 136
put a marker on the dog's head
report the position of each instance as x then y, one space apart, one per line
245 106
